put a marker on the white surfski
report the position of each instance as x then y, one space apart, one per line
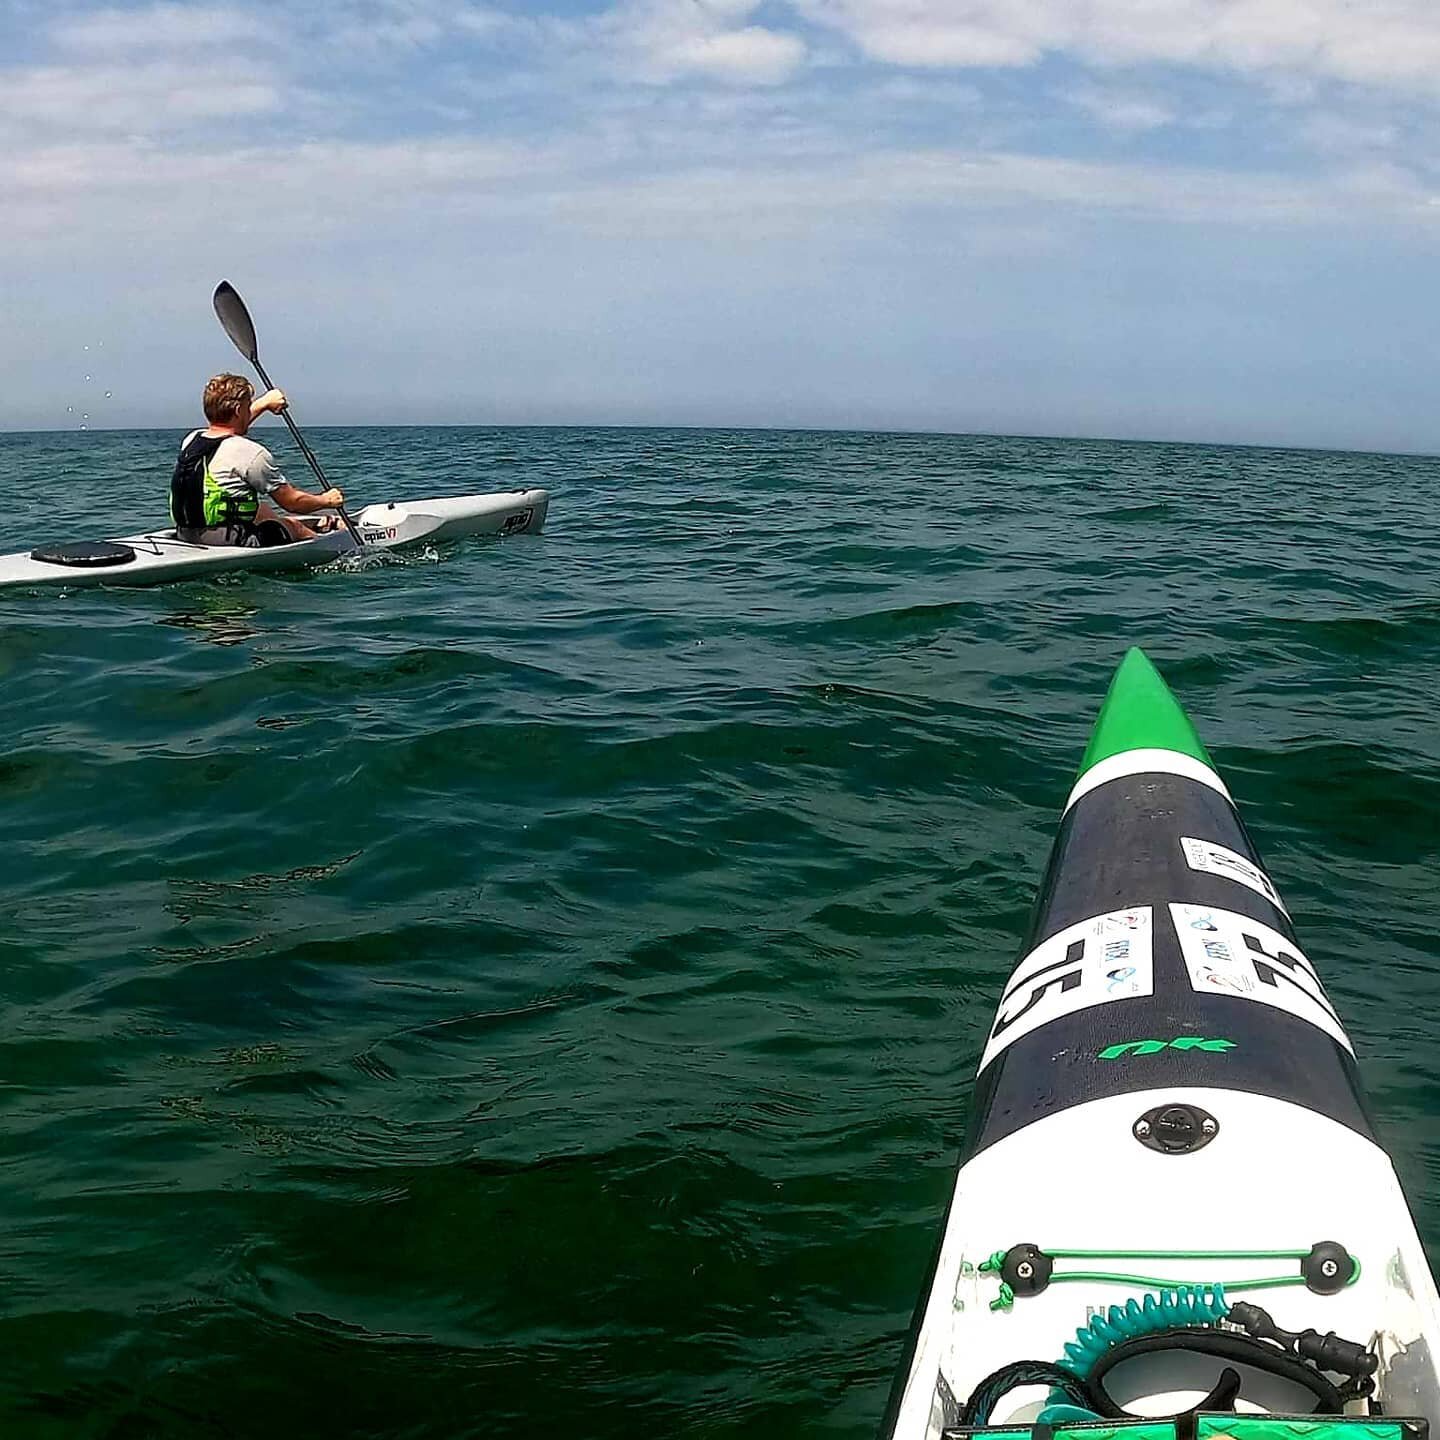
159 556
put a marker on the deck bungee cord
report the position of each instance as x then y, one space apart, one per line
1027 1269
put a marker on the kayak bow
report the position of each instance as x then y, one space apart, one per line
1168 1132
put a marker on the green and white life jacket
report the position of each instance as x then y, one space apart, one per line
197 499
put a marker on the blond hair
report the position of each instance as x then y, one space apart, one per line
226 398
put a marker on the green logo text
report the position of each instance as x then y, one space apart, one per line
1154 1047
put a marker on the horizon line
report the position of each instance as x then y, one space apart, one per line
6 432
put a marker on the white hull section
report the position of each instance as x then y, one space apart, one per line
1275 1177
161 557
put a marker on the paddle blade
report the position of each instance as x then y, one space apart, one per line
236 320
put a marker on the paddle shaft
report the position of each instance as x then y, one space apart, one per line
230 310
305 449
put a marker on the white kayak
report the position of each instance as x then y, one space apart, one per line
159 555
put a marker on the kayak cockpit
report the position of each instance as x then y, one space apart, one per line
1175 1353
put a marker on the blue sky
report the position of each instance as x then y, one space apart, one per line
1199 219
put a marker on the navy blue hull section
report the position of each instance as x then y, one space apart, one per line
1224 968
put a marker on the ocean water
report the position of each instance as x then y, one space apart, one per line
533 987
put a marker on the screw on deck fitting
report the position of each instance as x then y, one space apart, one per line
1328 1268
1026 1269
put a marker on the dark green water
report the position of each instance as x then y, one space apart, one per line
533 989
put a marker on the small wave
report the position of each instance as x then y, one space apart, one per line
900 622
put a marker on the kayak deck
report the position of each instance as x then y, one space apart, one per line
160 556
1171 1198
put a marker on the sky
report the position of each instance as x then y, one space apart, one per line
1177 219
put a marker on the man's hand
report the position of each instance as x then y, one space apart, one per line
271 402
334 497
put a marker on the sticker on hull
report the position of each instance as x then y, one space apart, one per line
1211 859
1095 962
1229 954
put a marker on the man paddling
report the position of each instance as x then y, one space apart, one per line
226 488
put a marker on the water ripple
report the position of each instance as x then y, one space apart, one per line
540 983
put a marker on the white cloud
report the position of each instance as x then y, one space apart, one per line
483 20
934 33
153 29
1385 42
425 194
143 97
1349 135
371 174
664 40
390 28
942 91
751 55
1125 111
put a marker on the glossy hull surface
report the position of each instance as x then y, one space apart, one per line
160 557
1167 1094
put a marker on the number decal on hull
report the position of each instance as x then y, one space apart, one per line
1100 960
1229 954
1212 859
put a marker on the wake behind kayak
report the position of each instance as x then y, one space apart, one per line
1171 1201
